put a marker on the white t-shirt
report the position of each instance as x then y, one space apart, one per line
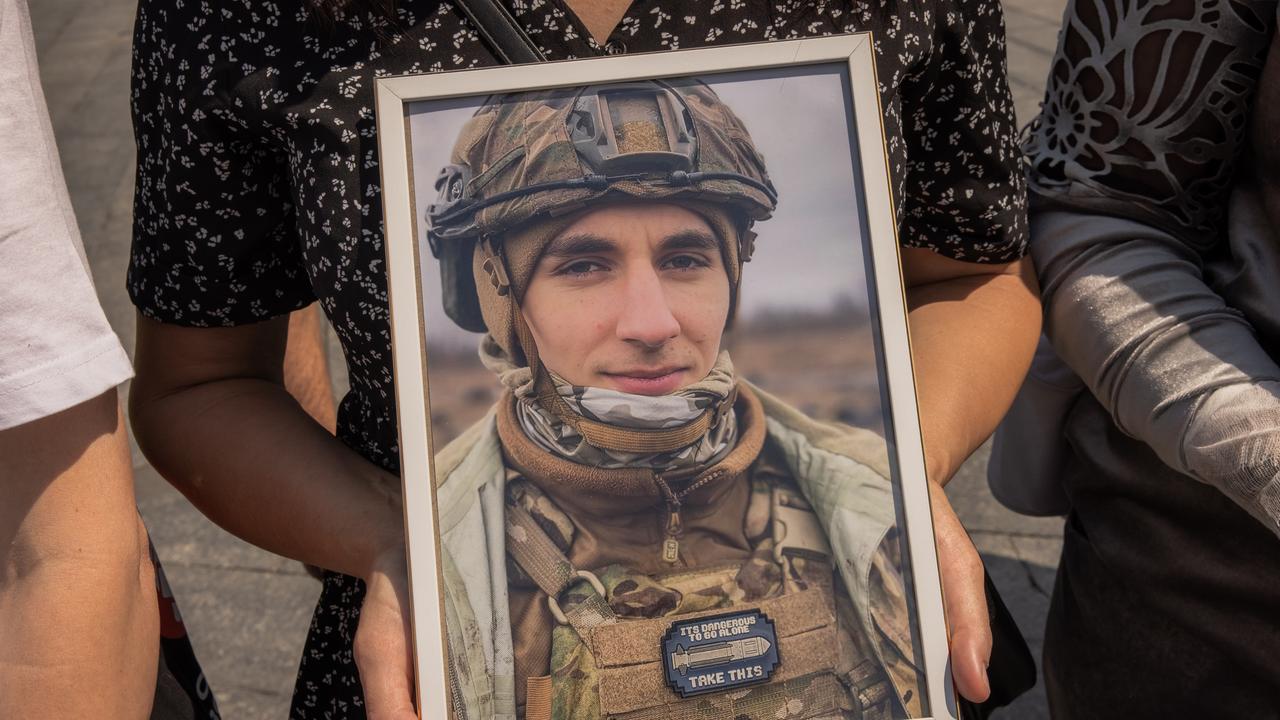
56 348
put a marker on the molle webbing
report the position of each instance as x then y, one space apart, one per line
551 570
538 699
818 696
873 689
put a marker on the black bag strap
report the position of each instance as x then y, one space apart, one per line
500 31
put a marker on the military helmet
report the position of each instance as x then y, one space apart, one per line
525 157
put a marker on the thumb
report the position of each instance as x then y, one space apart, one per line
388 691
970 653
964 599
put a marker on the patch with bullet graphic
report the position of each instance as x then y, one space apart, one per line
713 654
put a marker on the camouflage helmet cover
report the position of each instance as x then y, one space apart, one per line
529 156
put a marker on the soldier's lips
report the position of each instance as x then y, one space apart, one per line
660 381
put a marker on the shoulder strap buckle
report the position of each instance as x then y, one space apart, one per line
796 530
529 545
553 602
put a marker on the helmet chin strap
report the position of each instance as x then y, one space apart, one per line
602 435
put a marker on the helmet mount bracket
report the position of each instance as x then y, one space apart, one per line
494 266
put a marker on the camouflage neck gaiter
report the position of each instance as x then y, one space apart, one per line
622 410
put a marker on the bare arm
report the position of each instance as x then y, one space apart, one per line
306 367
77 592
973 331
211 412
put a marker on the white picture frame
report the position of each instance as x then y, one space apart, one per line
400 99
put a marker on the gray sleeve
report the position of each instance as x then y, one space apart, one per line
56 348
1127 307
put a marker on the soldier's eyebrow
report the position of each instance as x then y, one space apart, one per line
577 245
689 240
567 247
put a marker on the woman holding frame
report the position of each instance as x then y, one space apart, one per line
258 193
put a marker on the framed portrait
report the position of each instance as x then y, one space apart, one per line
659 440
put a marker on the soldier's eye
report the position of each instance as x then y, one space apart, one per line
686 261
580 268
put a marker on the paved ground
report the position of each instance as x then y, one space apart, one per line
247 610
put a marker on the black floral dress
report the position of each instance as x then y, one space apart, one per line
258 190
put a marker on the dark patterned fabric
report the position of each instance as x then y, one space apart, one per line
1146 118
258 189
1147 108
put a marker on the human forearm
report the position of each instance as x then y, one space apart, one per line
232 439
78 611
247 455
972 338
1128 310
973 331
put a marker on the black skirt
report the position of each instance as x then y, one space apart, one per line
1167 601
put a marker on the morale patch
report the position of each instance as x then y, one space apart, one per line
712 654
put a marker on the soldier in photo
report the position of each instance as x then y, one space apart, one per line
633 531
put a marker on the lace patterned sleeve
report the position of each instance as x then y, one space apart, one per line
965 196
214 239
1146 110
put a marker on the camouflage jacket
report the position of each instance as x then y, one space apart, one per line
851 497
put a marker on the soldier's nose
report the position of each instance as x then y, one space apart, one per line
645 316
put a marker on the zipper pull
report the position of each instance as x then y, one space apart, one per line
671 545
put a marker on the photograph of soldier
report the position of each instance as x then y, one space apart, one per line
663 490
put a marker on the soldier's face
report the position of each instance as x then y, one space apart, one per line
630 297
